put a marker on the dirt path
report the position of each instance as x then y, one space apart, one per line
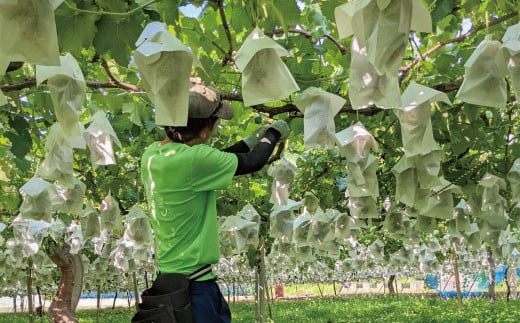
6 303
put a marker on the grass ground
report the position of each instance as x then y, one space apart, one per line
401 309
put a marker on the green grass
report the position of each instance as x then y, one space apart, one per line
389 309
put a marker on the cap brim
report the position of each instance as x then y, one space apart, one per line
225 112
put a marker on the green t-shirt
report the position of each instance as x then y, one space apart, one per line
180 183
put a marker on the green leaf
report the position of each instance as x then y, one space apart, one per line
442 9
149 125
69 22
133 111
23 165
117 37
121 123
257 189
169 11
278 13
515 150
21 143
65 217
21 139
112 6
296 126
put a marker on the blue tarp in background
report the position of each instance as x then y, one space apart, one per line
432 281
108 295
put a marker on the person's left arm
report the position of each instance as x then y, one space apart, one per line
248 143
239 147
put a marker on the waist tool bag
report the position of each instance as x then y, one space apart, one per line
168 300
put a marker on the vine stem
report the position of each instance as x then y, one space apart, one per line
109 13
229 56
459 39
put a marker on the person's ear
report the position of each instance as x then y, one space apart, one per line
205 133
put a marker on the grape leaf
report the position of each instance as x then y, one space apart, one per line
169 11
442 9
117 36
67 25
21 143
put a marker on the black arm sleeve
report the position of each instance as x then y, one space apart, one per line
239 147
255 159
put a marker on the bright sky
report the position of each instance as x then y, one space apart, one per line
190 10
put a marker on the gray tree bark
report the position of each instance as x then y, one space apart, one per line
491 286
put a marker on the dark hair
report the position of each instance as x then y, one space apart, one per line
191 131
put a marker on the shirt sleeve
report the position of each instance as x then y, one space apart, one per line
239 147
255 159
212 169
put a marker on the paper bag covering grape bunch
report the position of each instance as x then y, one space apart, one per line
265 77
355 144
31 36
419 184
181 175
380 30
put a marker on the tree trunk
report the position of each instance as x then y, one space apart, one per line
491 286
136 290
457 279
66 300
391 288
261 285
511 282
39 309
29 292
508 288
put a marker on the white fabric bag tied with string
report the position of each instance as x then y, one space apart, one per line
29 233
36 200
283 174
138 229
237 233
90 223
437 201
57 165
461 215
321 228
111 214
99 137
165 65
416 172
513 176
415 118
511 46
319 108
382 26
68 198
507 241
67 87
301 228
366 86
344 227
492 205
355 144
29 31
282 219
265 77
485 76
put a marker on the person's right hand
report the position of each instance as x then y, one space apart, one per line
282 127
